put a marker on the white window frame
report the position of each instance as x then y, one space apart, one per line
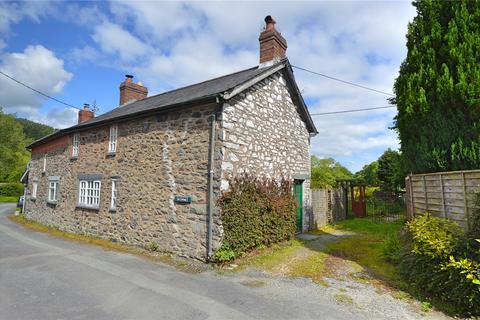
53 191
75 144
44 163
89 193
112 139
34 189
114 197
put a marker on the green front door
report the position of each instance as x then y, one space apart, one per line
298 192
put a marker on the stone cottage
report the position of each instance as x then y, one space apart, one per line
150 170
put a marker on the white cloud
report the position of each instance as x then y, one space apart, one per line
13 12
113 39
39 68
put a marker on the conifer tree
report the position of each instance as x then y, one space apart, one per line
438 88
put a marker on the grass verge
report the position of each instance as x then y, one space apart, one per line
8 199
180 264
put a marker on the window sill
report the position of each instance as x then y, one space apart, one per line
81 206
73 158
111 154
53 203
112 210
33 199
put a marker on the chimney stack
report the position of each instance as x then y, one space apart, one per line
273 46
85 114
130 91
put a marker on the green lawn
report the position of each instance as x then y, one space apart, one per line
8 199
366 247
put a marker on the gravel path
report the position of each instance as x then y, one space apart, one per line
362 297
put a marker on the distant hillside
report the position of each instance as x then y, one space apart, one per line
15 134
34 130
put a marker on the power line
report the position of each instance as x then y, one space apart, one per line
348 111
38 91
344 81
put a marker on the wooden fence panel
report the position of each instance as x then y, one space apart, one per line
444 194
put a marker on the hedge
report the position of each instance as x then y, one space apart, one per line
11 189
255 212
441 262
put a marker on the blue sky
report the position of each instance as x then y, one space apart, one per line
79 52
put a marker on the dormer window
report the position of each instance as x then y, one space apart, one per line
112 141
75 145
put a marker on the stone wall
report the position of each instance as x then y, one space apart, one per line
157 158
328 206
263 134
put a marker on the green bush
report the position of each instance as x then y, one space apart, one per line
257 213
224 253
392 248
436 263
11 189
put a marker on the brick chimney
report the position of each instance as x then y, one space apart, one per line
85 114
130 91
273 46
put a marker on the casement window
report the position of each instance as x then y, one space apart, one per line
112 140
34 189
53 185
113 200
75 144
89 193
44 163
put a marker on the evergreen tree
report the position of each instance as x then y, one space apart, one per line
438 88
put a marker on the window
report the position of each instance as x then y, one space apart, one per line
34 189
89 193
112 141
75 144
44 163
113 201
53 183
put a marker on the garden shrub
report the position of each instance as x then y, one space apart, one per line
11 189
256 213
435 262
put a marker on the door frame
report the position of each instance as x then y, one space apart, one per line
298 183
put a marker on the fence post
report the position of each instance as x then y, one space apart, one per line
443 197
411 197
425 193
465 208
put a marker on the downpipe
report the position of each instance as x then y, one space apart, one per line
210 204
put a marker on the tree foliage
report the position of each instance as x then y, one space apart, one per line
390 171
437 90
326 172
33 130
15 134
368 175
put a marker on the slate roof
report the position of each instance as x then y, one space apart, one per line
200 91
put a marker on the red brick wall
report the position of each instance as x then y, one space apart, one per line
52 145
